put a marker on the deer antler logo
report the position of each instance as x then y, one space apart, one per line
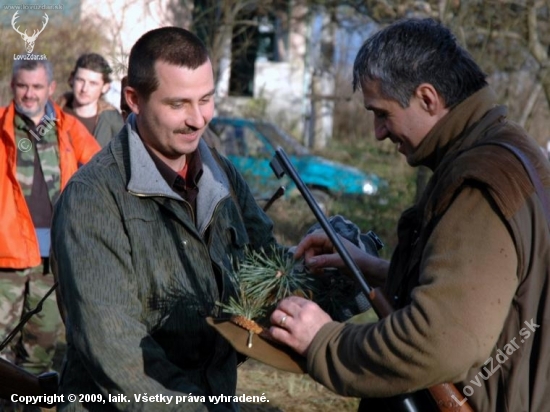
29 40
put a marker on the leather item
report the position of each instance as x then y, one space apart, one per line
263 349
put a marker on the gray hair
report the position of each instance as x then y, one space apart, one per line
32 65
410 52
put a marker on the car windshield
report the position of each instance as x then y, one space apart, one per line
279 138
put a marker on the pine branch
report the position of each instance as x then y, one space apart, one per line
262 280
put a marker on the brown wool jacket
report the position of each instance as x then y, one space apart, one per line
470 276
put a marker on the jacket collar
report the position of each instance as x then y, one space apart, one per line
447 133
26 122
146 180
67 99
58 116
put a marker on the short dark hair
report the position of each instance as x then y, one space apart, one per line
94 62
410 52
31 65
125 110
172 45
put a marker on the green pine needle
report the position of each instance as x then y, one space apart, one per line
262 280
243 307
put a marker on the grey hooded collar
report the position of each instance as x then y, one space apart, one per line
146 180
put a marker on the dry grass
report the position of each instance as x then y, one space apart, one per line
287 391
292 218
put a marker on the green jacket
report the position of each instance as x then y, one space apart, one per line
109 120
109 123
470 273
138 277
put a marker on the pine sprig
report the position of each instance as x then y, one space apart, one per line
262 279
271 277
244 306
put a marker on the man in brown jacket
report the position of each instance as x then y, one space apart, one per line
469 277
90 80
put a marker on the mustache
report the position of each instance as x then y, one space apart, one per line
185 130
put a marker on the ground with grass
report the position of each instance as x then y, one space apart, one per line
287 391
290 392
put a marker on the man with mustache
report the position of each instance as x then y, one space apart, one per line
41 147
145 239
90 80
469 278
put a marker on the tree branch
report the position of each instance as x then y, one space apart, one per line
535 47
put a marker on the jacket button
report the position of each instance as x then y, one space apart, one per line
184 243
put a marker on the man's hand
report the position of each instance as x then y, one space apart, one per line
296 321
319 253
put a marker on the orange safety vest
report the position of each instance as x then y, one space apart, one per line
18 242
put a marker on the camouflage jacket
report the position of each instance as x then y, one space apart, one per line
139 274
18 243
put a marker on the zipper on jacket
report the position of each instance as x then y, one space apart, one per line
187 205
151 195
203 232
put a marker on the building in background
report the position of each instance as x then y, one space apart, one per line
276 62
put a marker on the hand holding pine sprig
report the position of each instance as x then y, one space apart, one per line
262 279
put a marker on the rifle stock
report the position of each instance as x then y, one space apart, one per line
15 380
445 395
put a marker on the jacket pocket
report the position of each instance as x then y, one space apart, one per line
228 236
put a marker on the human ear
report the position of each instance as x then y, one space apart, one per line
105 88
51 88
429 98
132 98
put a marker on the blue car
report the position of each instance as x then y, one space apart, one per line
251 144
